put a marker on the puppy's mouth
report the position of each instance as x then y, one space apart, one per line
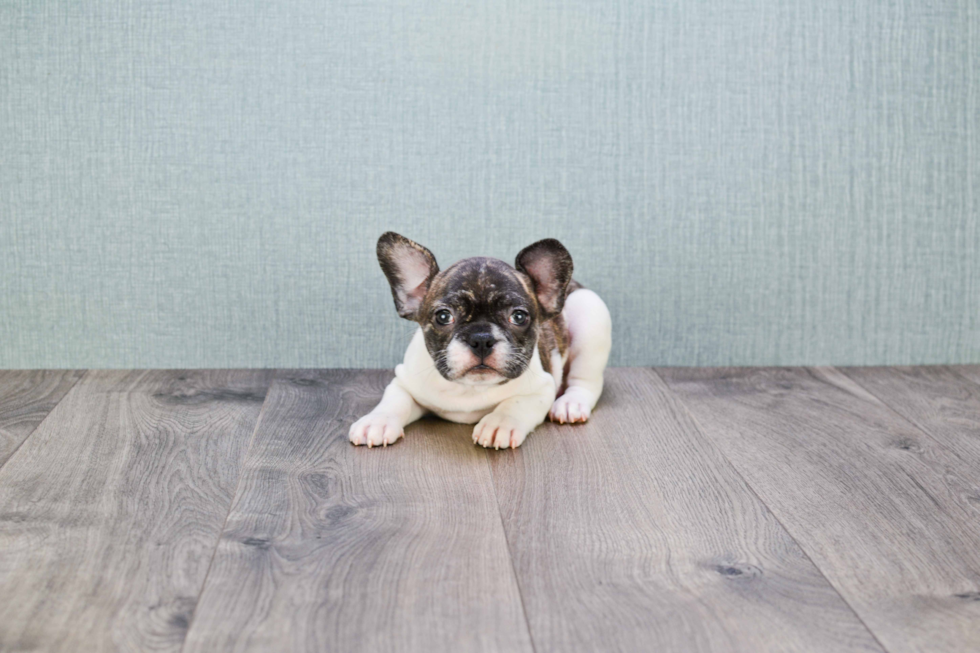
482 374
482 368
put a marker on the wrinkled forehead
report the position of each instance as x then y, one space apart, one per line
481 281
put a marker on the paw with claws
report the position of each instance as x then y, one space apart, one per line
376 430
571 408
500 431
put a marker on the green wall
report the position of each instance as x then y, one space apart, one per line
745 182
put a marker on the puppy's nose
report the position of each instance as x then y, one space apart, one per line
481 343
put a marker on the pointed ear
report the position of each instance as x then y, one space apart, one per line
549 265
409 268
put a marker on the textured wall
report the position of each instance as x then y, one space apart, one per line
745 182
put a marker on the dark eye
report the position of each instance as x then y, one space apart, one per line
519 317
444 317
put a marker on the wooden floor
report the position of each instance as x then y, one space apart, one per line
779 509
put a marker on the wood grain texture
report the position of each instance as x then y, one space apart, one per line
110 511
969 372
331 547
879 506
632 533
936 399
26 398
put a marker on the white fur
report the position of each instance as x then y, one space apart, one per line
504 413
590 339
459 402
459 357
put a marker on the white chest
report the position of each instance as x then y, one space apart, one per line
457 402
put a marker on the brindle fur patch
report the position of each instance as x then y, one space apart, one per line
552 336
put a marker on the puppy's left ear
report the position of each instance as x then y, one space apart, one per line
409 268
549 265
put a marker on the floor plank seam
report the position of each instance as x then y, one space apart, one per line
231 507
700 431
44 419
510 553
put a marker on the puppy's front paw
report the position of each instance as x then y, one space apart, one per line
570 408
375 430
499 430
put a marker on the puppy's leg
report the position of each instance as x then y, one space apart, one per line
511 421
590 333
386 423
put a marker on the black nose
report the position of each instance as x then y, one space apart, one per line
481 343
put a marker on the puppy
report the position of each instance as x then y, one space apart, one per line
495 346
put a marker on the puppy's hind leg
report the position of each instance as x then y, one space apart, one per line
590 332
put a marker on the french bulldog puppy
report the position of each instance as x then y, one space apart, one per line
497 346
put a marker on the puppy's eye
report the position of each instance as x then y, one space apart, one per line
444 317
519 317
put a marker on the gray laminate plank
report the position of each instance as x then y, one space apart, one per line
111 510
26 397
331 547
633 533
969 372
878 505
937 400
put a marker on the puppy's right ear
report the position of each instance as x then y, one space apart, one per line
409 268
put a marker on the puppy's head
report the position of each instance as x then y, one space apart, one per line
480 316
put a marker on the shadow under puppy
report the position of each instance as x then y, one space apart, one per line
495 345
